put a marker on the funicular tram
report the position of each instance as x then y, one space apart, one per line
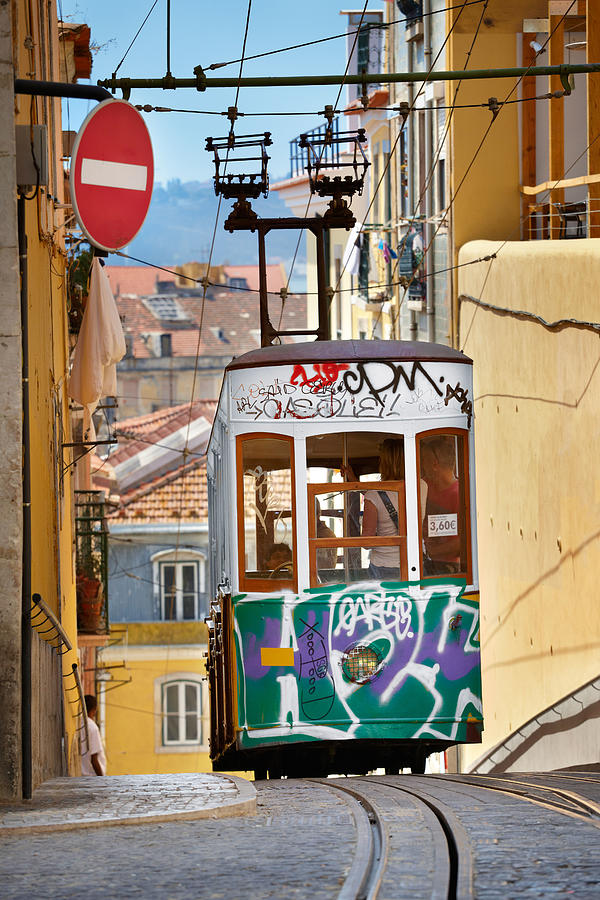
344 630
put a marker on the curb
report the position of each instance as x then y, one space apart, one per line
243 805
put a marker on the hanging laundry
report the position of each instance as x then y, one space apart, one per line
388 253
100 346
351 257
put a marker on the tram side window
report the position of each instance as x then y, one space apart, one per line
267 534
444 470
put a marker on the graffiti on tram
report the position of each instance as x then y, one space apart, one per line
360 660
351 390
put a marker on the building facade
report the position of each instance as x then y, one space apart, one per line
150 680
38 693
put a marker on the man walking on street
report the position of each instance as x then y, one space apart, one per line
93 760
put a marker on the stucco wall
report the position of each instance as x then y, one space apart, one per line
538 487
130 712
10 433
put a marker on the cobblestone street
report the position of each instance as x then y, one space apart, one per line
226 858
300 843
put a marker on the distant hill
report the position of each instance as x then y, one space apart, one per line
179 228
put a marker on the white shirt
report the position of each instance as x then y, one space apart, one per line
95 747
389 556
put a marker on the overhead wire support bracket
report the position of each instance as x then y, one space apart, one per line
201 82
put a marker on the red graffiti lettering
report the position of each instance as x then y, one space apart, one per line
325 375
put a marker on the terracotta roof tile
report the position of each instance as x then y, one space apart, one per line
179 495
143 280
230 324
138 280
138 433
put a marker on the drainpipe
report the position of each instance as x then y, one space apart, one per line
26 582
427 228
61 89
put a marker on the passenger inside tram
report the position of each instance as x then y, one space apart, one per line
382 516
442 536
351 459
279 559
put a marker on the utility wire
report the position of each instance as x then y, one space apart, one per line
483 139
147 107
337 100
382 25
397 140
135 37
434 163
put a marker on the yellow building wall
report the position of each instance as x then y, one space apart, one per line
52 569
537 429
130 698
484 192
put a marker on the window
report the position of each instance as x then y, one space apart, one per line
165 307
180 583
266 526
238 283
444 479
165 345
181 711
357 525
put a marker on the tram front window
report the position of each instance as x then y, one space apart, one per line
267 548
345 546
357 520
444 469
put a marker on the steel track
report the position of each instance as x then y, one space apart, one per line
458 878
565 802
453 878
364 879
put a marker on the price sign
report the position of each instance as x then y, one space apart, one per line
443 525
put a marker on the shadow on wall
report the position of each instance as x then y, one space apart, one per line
565 735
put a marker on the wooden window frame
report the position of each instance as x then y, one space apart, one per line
363 541
464 434
263 585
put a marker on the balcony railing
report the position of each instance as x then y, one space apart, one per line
91 562
562 221
299 155
563 212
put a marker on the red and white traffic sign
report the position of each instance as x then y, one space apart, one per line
112 173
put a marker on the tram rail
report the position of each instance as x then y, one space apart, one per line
559 800
453 872
364 879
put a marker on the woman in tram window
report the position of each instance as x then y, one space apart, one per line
381 516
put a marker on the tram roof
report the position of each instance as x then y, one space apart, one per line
347 351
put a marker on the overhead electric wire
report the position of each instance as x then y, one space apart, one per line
135 37
482 141
337 100
147 107
245 290
344 34
185 452
397 140
435 161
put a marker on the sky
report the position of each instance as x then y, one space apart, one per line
205 32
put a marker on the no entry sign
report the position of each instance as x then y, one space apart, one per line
112 172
